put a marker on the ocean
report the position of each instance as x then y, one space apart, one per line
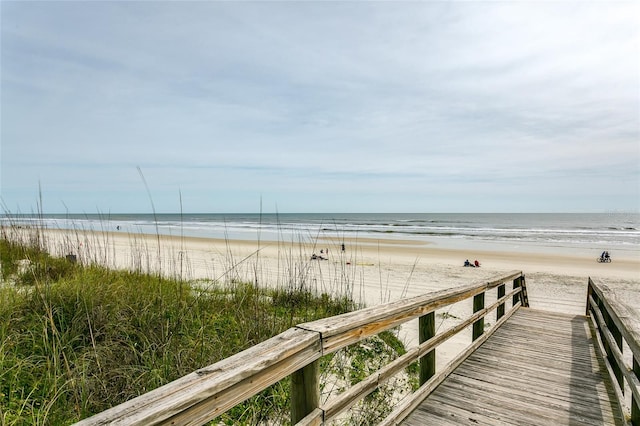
584 231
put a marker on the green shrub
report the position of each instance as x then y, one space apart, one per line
76 340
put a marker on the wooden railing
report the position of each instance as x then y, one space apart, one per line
615 323
207 393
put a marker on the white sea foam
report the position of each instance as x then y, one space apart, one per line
609 230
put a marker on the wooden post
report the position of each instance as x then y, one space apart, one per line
426 330
524 298
516 297
305 391
605 342
589 293
617 336
478 326
500 309
635 404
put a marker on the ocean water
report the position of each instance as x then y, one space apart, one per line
601 231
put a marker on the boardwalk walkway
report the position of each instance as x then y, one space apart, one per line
532 368
539 368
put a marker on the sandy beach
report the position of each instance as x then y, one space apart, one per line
372 271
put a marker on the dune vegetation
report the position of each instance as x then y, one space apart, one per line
76 339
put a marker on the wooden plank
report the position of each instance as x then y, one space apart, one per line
557 382
625 318
210 391
315 418
523 362
509 407
520 362
426 330
510 413
478 326
522 369
345 400
615 354
514 410
525 297
538 368
635 402
538 390
501 387
546 353
342 330
500 310
409 404
448 414
305 391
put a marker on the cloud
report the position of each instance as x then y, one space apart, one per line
416 100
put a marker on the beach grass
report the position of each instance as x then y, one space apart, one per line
76 339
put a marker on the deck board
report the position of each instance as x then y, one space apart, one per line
538 368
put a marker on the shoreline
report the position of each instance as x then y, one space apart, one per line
564 261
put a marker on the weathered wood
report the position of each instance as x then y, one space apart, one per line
615 357
615 341
426 330
524 296
406 406
626 320
205 394
478 326
589 295
345 400
516 284
343 330
635 402
351 396
443 412
369 384
210 391
599 346
627 323
500 309
510 380
315 418
305 391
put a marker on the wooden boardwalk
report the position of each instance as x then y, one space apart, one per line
539 368
531 368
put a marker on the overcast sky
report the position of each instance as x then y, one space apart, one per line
320 106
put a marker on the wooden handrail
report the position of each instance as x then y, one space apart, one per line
207 393
615 322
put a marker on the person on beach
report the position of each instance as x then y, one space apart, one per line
476 263
467 263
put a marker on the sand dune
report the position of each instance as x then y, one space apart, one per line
371 271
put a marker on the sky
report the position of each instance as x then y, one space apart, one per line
318 106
